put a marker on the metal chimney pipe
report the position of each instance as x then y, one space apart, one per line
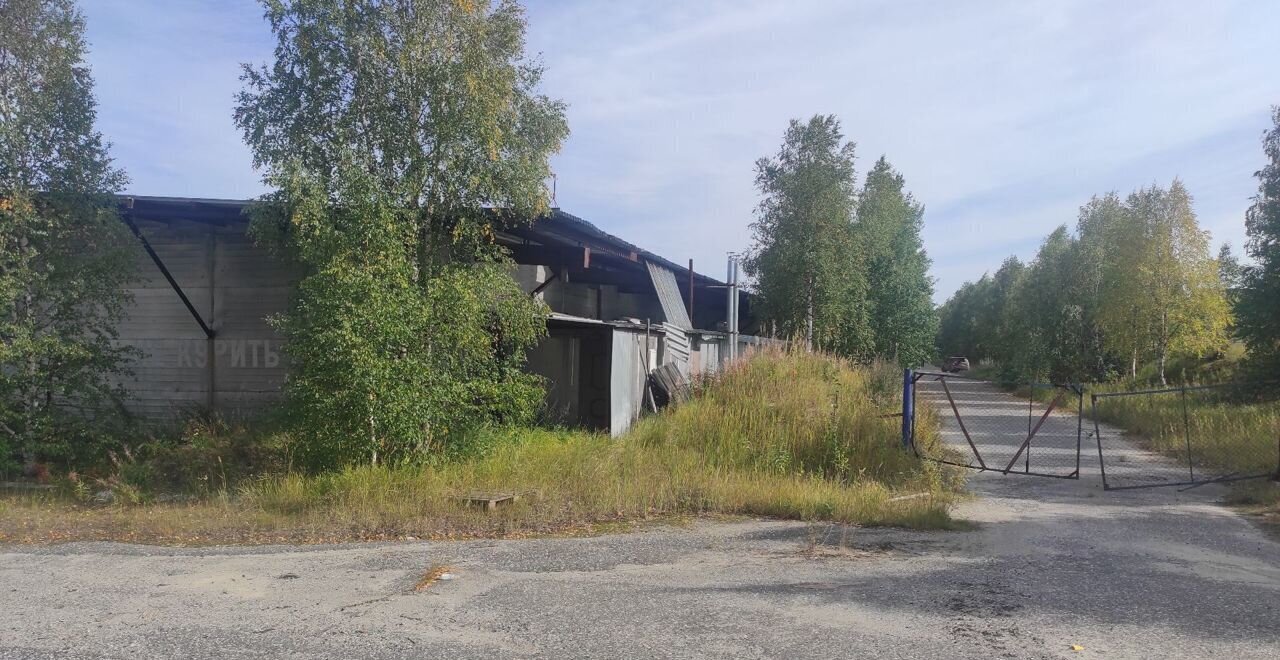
737 299
691 321
728 308
732 307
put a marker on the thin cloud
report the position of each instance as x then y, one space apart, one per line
1003 116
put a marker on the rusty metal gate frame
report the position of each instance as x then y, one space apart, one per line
1192 481
1025 448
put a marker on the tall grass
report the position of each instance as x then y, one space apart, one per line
795 413
784 434
1227 435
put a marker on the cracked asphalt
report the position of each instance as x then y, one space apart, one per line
1050 564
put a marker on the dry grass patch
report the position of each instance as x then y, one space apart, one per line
795 436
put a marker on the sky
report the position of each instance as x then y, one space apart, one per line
1004 116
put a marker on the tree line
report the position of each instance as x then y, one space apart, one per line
1135 285
837 265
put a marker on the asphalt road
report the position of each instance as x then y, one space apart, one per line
1050 564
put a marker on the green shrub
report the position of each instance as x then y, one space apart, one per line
383 373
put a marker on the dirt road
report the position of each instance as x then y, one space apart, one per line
1050 564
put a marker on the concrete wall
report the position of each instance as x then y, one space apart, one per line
593 301
234 286
596 375
705 358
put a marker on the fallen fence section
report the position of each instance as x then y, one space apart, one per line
1178 440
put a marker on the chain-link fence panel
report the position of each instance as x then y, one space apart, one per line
984 428
1184 436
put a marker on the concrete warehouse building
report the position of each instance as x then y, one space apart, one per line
205 292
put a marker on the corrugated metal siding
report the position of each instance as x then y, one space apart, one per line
710 350
676 347
627 376
664 282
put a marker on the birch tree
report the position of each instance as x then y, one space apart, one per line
400 135
65 256
1124 309
900 292
1182 300
1090 268
805 261
1161 293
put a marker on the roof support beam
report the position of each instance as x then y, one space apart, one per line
155 258
552 255
555 274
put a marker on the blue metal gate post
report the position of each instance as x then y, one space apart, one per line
908 407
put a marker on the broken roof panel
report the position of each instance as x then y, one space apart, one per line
664 283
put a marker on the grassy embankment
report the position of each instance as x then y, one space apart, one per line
782 435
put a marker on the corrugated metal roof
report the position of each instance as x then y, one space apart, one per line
213 210
664 282
569 219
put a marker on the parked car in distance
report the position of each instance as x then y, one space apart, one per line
956 364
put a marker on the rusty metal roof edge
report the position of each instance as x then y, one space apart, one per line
556 216
565 216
